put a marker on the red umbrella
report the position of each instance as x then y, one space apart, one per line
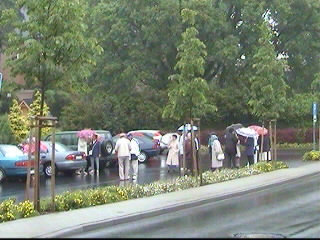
259 130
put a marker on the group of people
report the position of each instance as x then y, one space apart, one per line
92 149
231 155
175 151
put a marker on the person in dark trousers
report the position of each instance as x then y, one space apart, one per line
95 154
265 149
230 148
250 150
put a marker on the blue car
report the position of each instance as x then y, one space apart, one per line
12 162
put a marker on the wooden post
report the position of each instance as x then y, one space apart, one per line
53 168
27 196
36 199
193 147
184 149
198 153
275 140
271 140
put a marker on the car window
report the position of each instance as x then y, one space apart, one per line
66 139
11 151
59 147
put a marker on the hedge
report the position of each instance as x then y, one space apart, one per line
312 155
110 194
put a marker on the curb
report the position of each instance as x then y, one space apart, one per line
173 207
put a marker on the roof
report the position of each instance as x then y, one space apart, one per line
25 95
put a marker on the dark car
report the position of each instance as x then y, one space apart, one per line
13 162
149 148
70 139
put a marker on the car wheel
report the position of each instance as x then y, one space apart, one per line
2 175
142 157
48 170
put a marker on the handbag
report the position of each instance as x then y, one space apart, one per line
220 157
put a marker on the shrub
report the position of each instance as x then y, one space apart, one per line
294 146
103 195
312 155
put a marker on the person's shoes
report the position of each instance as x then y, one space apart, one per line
127 179
78 172
85 173
121 179
91 172
134 178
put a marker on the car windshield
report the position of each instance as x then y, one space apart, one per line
11 151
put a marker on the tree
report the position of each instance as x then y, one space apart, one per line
6 136
268 89
51 44
35 110
187 94
18 122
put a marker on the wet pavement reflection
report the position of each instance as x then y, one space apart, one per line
154 169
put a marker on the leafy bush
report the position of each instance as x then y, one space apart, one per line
294 146
103 195
312 155
10 211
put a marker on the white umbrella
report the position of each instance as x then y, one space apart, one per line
247 132
188 127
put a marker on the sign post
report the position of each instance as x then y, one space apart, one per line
314 116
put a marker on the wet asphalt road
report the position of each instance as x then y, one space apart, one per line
153 170
290 209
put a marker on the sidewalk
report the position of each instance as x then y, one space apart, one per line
81 220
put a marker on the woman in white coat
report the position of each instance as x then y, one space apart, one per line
217 155
82 147
173 154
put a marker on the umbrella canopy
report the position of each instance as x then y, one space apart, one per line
247 132
259 130
25 148
86 134
188 127
235 126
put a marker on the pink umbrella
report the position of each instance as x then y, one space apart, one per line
25 148
259 130
86 134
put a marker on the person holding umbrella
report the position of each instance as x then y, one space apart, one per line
230 147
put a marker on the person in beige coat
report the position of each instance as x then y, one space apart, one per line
173 154
216 163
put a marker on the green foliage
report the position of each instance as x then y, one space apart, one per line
312 155
294 145
9 210
110 194
268 89
35 109
18 122
188 92
6 135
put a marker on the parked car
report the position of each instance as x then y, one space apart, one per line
70 139
13 162
148 147
66 160
154 134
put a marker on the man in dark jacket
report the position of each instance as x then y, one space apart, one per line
266 147
230 147
250 150
95 154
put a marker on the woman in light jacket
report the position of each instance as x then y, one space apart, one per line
173 154
216 150
82 147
